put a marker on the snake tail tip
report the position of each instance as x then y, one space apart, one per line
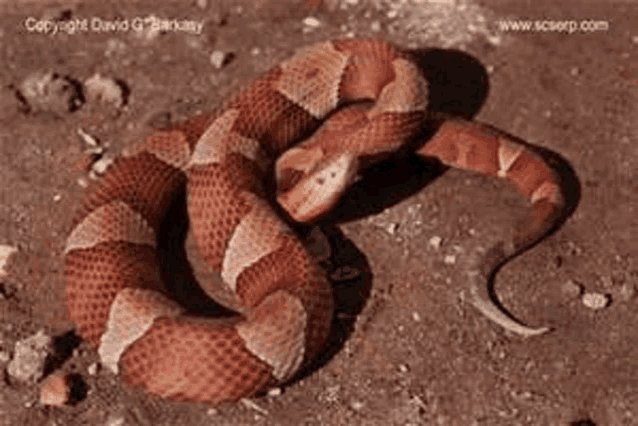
488 308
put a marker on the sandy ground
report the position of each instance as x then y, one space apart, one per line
408 349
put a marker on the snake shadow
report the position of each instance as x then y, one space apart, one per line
458 88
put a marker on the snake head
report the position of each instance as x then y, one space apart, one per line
318 185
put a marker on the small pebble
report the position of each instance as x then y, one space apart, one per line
55 390
104 89
403 368
92 369
311 22
494 39
56 198
88 139
357 405
595 300
571 289
375 26
450 259
48 91
115 421
83 182
219 58
435 242
5 253
626 292
254 406
416 317
101 165
392 228
274 391
392 13
29 357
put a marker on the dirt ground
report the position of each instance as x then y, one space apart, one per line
407 347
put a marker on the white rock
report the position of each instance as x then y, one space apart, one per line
435 242
392 228
219 58
357 405
450 259
29 357
101 165
571 289
5 252
47 91
104 89
595 300
254 406
93 368
115 421
274 391
88 139
494 39
311 21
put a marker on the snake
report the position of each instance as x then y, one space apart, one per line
279 152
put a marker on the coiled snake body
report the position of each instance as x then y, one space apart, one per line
114 293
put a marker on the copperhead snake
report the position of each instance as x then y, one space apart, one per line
264 270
